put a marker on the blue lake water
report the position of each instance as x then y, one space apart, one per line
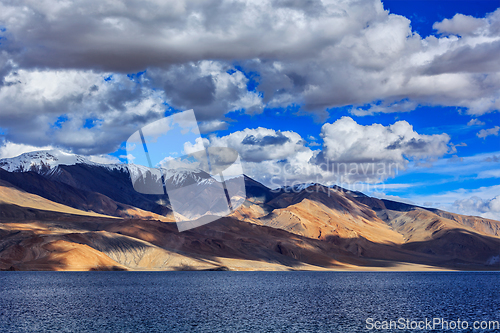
240 301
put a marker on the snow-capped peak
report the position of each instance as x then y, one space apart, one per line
175 177
46 161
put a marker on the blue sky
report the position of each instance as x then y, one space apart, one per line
423 13
410 83
440 177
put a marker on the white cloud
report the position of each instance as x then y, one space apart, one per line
52 108
460 25
261 144
207 87
487 208
199 145
10 149
494 173
487 132
212 126
318 54
347 141
381 195
350 153
55 107
461 201
475 122
399 186
104 159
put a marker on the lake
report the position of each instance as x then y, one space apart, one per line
244 301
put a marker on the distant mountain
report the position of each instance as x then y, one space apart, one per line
70 196
48 163
359 224
42 162
308 226
81 183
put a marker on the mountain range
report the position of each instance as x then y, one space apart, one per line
63 212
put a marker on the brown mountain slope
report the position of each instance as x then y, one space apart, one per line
114 184
56 241
420 224
460 248
47 254
328 213
305 211
480 224
69 200
354 222
11 195
316 228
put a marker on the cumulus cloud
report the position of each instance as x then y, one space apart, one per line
350 152
262 144
227 55
92 113
460 25
132 35
487 208
347 141
487 132
190 148
80 111
475 122
207 87
10 149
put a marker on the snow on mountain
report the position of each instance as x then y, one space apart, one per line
47 161
40 161
174 178
181 176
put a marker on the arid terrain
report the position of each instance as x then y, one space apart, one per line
88 217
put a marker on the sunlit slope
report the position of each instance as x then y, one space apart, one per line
359 224
325 213
83 217
421 224
88 204
11 195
